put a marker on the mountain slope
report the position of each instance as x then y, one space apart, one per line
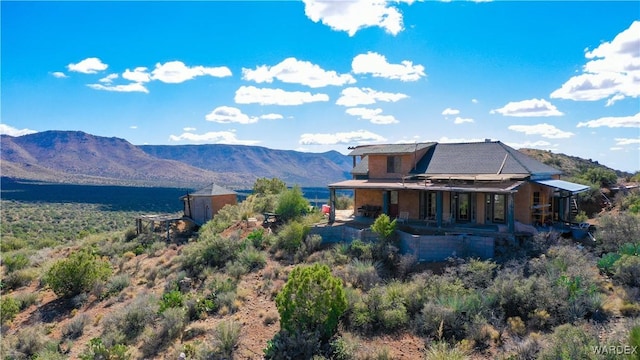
74 156
570 165
293 167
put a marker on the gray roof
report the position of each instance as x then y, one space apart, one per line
480 158
213 189
383 149
361 168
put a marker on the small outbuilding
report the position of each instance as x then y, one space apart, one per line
203 204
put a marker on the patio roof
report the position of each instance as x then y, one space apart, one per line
493 187
563 185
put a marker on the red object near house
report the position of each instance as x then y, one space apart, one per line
326 209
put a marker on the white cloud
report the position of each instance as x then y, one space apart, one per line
377 65
445 139
626 141
461 120
214 137
612 70
88 66
11 131
109 78
227 114
450 111
271 117
295 71
475 101
373 115
58 74
359 136
353 96
351 16
616 148
189 129
133 127
528 108
613 122
545 130
265 96
133 87
540 144
139 75
175 72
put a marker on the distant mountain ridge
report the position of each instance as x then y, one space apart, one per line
569 165
78 157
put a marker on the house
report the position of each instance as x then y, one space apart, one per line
203 204
476 185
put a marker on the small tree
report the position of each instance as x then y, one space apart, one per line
76 274
312 300
264 186
385 249
292 204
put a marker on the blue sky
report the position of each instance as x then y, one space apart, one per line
319 75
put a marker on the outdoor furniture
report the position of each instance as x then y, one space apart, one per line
369 211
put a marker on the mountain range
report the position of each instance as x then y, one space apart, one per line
80 158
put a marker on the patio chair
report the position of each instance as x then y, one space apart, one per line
403 217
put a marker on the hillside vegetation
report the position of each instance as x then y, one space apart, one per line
571 166
236 290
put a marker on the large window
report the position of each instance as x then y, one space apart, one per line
464 207
394 164
428 205
495 210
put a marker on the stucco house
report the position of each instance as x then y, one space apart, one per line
483 184
203 204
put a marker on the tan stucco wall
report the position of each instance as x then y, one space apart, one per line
409 201
378 165
480 208
368 197
523 201
219 201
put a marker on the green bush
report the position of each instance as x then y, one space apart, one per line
212 250
290 237
605 264
360 250
627 270
256 237
344 202
570 342
128 324
15 261
227 335
170 327
311 300
253 259
171 299
9 308
96 349
287 345
75 327
441 350
76 274
292 204
617 230
264 186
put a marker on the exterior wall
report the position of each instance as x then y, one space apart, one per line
409 201
367 197
378 165
522 201
480 208
219 201
446 206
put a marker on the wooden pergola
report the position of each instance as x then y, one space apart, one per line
147 223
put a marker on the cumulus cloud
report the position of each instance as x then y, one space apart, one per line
445 139
351 16
540 144
295 71
352 137
545 130
632 121
461 120
528 108
373 115
213 137
109 78
88 66
377 65
265 96
612 71
227 114
189 129
11 131
175 72
139 75
271 116
475 101
450 111
134 127
133 87
353 96
58 74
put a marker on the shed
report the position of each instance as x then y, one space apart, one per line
203 204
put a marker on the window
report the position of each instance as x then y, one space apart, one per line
495 208
394 164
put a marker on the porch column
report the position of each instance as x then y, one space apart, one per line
385 202
332 205
511 221
439 208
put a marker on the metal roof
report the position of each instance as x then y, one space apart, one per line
361 168
212 190
383 149
563 185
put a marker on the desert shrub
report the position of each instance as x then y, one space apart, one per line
441 350
76 274
634 337
310 244
171 299
629 202
290 237
225 217
385 249
627 270
362 274
15 261
252 258
344 202
226 337
96 349
115 285
384 227
211 251
25 344
287 345
128 324
344 347
475 273
236 269
9 308
311 300
616 230
570 342
292 204
256 237
19 278
606 262
360 250
26 299
170 326
264 186
75 327
630 309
